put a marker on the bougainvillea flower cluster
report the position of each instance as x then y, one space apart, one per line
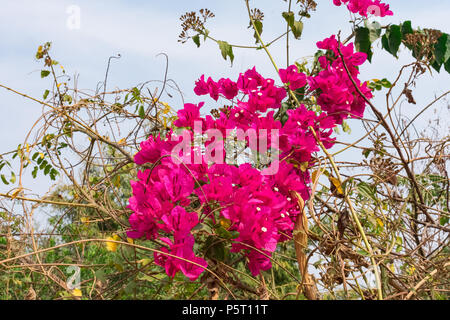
338 96
259 209
366 7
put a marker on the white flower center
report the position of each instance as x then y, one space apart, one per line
264 229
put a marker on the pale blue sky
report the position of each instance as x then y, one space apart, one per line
139 30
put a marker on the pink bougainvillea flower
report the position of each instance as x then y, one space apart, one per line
250 80
213 89
180 220
258 262
201 88
152 150
188 115
292 77
190 265
228 88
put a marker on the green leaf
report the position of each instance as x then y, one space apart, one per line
296 26
46 94
386 83
392 39
226 50
53 174
13 177
4 179
34 172
289 17
224 233
297 29
44 73
142 112
196 40
366 153
406 28
47 169
259 27
43 164
362 42
442 49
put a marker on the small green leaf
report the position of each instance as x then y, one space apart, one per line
43 164
366 153
13 177
142 112
386 83
406 28
34 172
289 17
46 93
4 179
394 39
226 50
296 26
442 49
47 169
44 73
297 29
362 42
259 27
196 40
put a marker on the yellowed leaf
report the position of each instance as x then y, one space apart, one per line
77 293
380 222
315 176
112 246
336 186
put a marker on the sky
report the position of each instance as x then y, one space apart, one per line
140 30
